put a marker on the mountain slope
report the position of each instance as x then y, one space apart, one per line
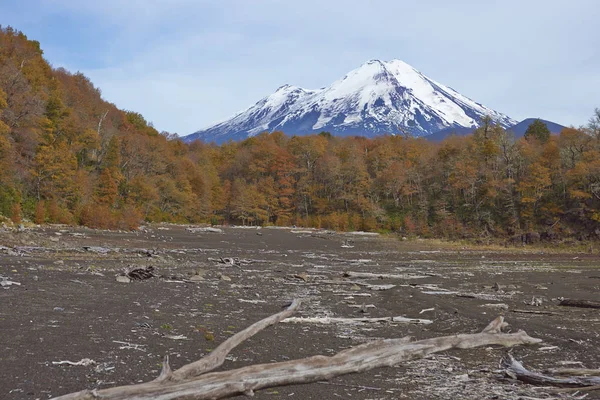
444 133
376 98
520 128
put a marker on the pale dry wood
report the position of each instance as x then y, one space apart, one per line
357 283
192 381
574 371
495 326
539 312
353 321
217 357
516 370
370 275
576 389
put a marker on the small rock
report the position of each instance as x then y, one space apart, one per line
5 282
96 249
462 378
404 238
196 278
123 279
59 309
536 301
141 273
200 272
500 306
225 278
303 276
176 337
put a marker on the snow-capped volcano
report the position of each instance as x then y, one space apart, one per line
375 99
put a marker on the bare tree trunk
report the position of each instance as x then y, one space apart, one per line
101 120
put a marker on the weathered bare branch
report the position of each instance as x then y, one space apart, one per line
370 275
356 321
579 303
192 381
516 370
574 371
217 357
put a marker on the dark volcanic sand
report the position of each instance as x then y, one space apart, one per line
69 306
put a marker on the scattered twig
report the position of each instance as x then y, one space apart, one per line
333 320
176 337
84 362
369 275
576 389
359 387
574 371
357 283
132 346
4 283
516 370
541 312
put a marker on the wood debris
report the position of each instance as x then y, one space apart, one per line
84 362
192 380
516 370
579 303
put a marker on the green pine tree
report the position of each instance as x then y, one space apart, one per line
538 130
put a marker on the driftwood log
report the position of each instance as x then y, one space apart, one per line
573 371
579 303
370 275
356 321
193 381
516 370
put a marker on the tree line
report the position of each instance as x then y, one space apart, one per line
67 156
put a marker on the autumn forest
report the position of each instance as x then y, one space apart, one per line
68 156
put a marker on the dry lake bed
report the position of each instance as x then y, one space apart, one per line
64 298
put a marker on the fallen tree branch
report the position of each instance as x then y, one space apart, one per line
85 362
350 321
355 283
576 389
192 381
370 275
516 370
574 371
217 357
539 312
579 303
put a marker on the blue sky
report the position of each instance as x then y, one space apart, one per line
187 63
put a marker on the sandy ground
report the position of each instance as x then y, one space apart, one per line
69 306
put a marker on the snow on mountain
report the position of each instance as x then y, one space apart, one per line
375 99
